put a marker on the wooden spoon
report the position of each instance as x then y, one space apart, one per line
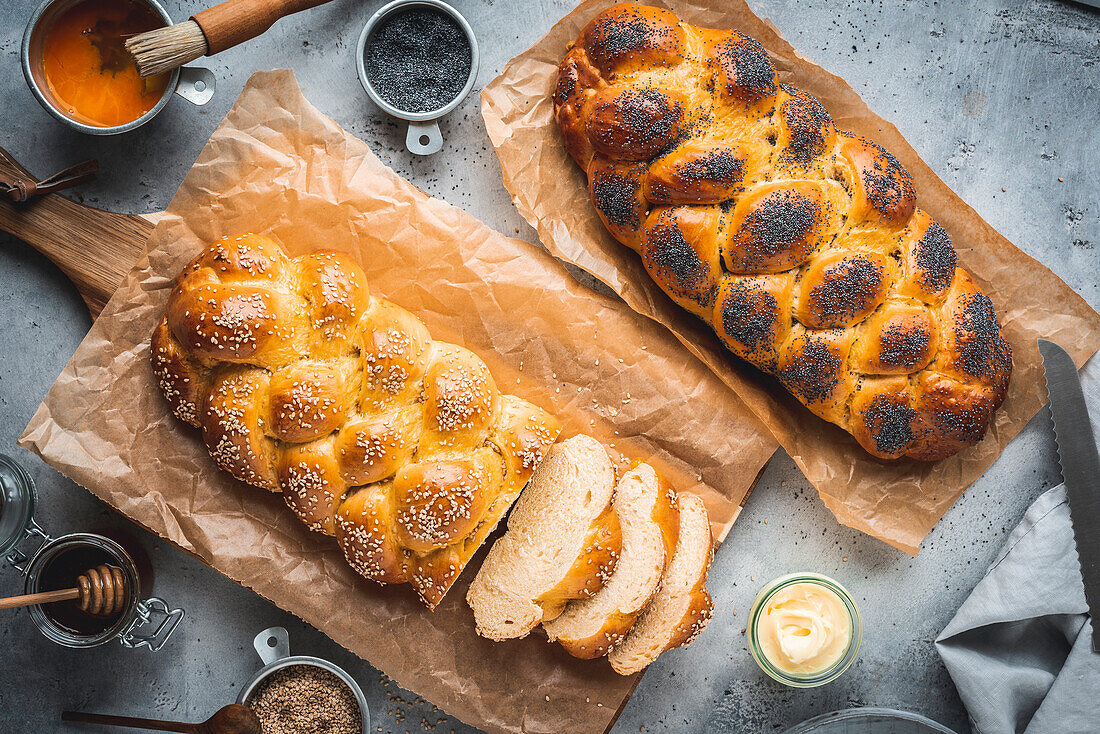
232 719
100 591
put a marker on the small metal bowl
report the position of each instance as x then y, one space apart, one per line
423 136
273 647
194 84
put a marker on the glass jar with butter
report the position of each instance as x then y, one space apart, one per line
804 629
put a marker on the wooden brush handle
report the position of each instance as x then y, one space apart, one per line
236 21
42 597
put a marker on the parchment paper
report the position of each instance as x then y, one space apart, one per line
898 502
277 165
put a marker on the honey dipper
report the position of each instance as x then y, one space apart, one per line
209 32
100 591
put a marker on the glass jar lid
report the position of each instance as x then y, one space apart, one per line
17 501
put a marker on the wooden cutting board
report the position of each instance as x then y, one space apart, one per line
94 248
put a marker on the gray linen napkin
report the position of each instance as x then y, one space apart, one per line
1019 647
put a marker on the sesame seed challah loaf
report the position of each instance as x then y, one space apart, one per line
302 382
590 627
799 244
562 543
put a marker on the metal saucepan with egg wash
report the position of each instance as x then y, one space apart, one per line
76 66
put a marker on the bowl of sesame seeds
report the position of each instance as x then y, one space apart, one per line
300 694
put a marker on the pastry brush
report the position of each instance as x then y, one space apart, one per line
209 32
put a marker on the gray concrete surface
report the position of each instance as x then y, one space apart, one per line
1001 97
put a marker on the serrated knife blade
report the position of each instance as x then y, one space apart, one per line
1080 464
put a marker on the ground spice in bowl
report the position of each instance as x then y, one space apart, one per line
418 60
305 699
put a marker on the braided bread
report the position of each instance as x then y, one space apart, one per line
563 543
649 522
800 245
302 382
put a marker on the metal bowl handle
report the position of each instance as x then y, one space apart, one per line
424 138
196 84
272 644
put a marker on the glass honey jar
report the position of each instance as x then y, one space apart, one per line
143 621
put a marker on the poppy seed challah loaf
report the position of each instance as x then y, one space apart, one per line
800 245
302 382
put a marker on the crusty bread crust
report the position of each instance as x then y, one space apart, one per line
588 628
562 543
682 606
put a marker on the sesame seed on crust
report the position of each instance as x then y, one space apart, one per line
281 354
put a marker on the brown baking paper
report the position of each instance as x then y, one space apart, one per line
898 502
278 166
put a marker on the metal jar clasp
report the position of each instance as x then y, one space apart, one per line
18 558
152 613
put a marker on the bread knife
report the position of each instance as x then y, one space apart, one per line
1080 468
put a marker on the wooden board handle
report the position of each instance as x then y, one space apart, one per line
235 21
94 248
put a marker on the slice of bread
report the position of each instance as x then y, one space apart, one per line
682 606
562 542
647 512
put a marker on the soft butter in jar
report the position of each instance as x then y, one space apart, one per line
804 629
